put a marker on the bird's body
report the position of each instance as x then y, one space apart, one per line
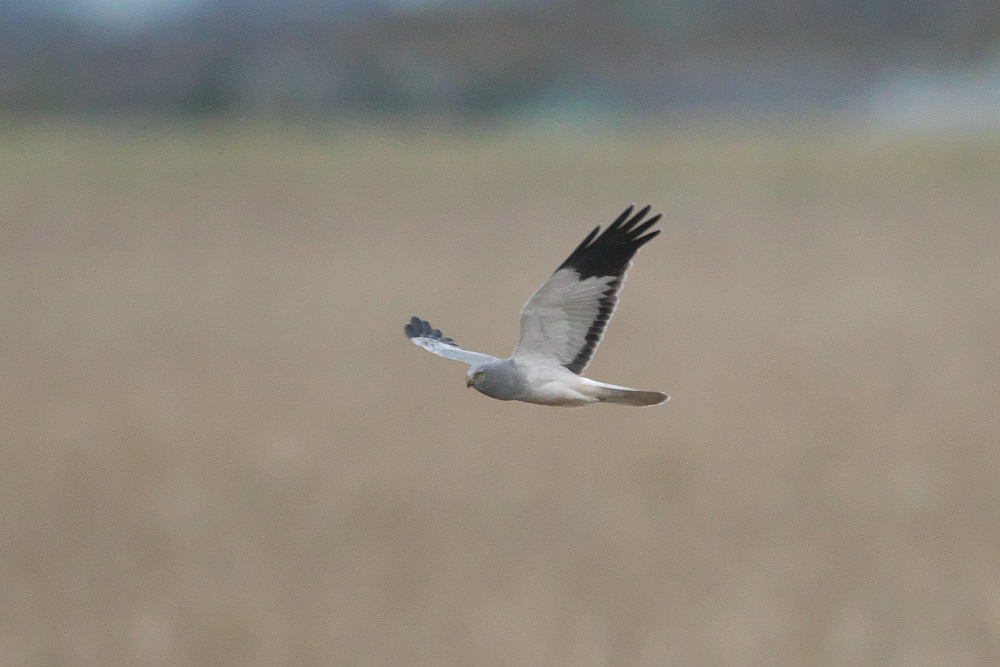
561 326
547 384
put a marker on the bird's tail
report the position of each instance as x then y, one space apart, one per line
610 393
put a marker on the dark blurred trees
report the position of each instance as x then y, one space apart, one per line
476 60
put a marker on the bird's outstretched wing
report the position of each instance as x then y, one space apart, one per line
423 334
564 321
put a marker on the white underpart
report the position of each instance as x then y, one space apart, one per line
557 385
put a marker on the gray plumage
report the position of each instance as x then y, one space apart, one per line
562 325
500 379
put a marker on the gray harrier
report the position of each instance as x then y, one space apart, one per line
561 326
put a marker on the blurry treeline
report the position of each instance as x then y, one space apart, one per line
309 58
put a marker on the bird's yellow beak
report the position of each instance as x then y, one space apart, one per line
468 382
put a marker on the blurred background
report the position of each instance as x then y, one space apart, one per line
903 61
218 448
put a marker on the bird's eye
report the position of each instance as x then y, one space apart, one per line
479 374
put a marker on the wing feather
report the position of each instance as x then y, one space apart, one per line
423 334
564 321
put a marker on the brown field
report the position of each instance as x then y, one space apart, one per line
219 449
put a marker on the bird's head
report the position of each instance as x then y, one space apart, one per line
499 378
474 376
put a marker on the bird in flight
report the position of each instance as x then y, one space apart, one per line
561 326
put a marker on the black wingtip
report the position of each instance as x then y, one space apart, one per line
608 254
418 328
627 227
622 218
